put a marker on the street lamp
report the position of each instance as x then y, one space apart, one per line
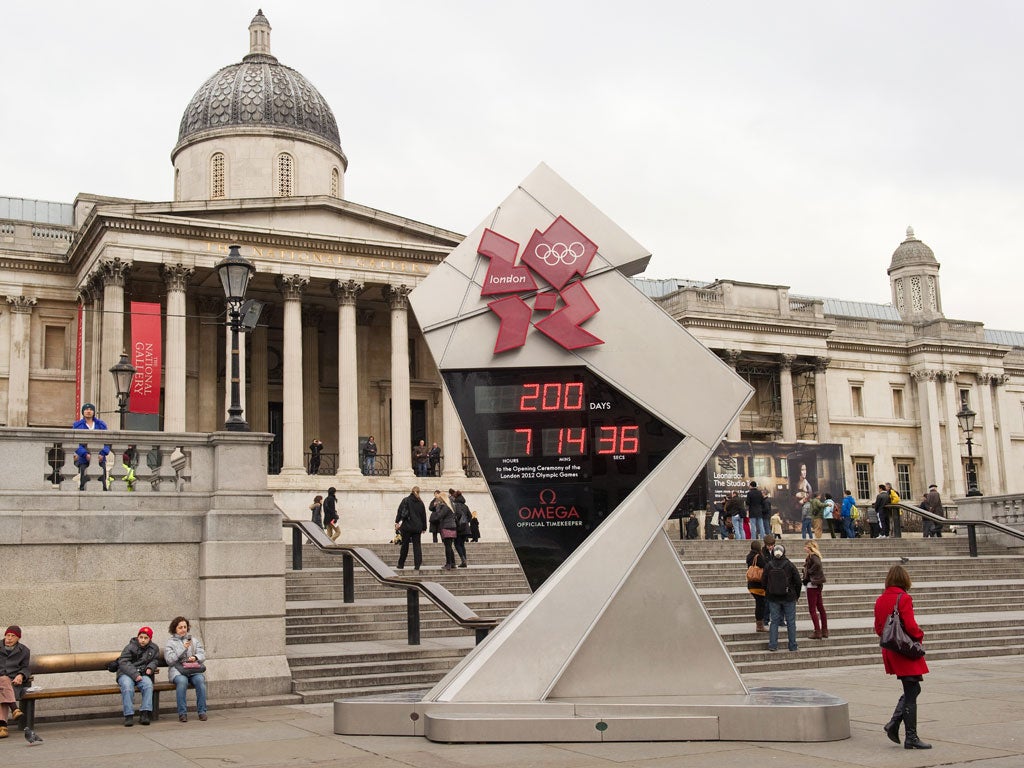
966 419
234 272
123 373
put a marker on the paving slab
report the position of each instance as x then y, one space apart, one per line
970 710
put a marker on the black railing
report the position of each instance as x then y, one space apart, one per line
328 463
972 536
449 604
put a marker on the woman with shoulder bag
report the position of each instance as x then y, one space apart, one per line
186 665
814 580
448 528
908 671
755 573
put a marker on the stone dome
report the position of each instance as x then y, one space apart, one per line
259 92
912 252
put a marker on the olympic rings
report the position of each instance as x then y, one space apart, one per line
559 253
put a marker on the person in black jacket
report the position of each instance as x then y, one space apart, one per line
781 589
411 522
135 669
463 524
14 672
331 514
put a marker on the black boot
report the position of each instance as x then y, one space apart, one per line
910 722
892 728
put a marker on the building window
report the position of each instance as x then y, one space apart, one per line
965 398
897 403
862 471
916 296
55 347
285 171
857 399
217 185
414 366
933 294
335 182
899 296
903 470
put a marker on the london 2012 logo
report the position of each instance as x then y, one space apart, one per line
556 256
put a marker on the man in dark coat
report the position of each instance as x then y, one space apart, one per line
136 667
411 522
755 508
782 587
933 503
881 502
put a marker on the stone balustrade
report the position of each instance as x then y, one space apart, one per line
1007 509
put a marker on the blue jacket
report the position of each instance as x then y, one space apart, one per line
82 449
848 504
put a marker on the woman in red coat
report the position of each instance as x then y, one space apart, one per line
909 671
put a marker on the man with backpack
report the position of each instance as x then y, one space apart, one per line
782 587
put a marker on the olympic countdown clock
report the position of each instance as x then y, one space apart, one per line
560 450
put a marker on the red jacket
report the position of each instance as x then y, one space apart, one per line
895 664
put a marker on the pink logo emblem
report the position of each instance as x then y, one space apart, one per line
557 255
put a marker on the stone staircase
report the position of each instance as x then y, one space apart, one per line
969 607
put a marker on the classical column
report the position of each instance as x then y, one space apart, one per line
227 376
1003 409
954 485
257 415
83 342
17 382
312 317
347 294
95 361
113 274
732 357
292 287
401 428
991 486
451 434
786 391
176 279
821 399
210 310
931 443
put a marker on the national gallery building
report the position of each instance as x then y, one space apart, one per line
337 355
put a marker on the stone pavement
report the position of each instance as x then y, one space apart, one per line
972 711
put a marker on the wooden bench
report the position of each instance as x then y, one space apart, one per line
59 663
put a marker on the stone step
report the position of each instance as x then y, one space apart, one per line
329 695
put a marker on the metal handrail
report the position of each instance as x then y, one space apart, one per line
972 537
449 604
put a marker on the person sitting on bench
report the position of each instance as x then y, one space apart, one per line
14 659
135 669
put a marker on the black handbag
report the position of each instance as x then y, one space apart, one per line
895 637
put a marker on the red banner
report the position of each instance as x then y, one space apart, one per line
146 356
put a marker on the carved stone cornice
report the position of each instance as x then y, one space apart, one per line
210 305
346 292
21 304
397 297
924 374
786 362
312 316
732 356
821 364
292 286
113 272
176 276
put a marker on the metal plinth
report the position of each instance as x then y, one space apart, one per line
764 714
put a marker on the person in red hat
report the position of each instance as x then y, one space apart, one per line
14 659
135 669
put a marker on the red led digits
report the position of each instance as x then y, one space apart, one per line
553 396
529 440
625 439
567 439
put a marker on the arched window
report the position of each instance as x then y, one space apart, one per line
217 182
285 187
177 184
335 182
916 297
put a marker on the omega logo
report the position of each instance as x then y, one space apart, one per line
548 508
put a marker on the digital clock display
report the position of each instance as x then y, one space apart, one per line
560 448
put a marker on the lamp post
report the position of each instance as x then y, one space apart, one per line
234 272
123 373
966 418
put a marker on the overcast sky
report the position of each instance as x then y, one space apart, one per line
781 142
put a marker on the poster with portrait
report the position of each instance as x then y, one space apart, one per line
787 473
